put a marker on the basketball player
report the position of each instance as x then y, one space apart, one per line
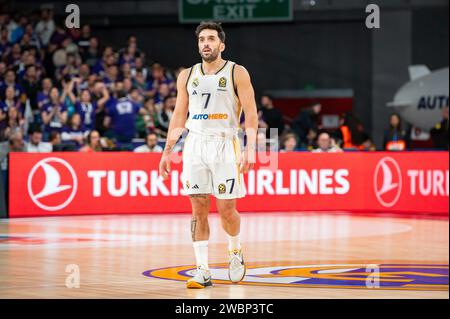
214 92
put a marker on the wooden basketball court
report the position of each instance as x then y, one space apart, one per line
290 255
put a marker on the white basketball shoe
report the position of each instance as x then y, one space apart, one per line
236 266
202 279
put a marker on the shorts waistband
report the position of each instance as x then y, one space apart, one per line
219 136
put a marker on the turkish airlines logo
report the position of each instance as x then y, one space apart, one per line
387 182
52 184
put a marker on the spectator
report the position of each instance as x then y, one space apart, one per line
16 143
121 118
45 27
72 65
439 133
351 131
151 145
289 143
56 142
367 144
12 124
165 114
54 114
18 32
31 86
157 78
324 144
272 116
43 96
10 80
125 72
306 124
141 84
129 56
106 61
139 67
100 92
91 55
4 42
88 109
111 75
60 38
162 92
30 38
131 41
83 41
310 142
395 137
92 79
13 56
11 25
83 74
127 85
2 70
74 131
93 143
147 122
35 144
136 96
9 102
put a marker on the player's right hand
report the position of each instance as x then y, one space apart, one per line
164 166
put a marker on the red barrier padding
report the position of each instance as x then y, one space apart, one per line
108 183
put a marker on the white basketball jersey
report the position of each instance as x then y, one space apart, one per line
214 107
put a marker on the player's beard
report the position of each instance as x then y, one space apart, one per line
211 57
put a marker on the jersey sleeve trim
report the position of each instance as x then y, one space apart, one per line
232 80
189 77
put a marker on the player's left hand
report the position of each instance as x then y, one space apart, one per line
247 160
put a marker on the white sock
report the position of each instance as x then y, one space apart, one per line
234 242
201 253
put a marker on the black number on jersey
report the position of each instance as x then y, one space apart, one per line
232 184
207 99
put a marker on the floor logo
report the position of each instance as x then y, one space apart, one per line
391 276
52 184
387 182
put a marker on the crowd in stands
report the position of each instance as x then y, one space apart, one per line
62 90
306 133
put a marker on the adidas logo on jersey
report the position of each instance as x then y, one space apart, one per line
195 187
194 93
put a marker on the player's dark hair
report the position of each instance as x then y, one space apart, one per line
211 25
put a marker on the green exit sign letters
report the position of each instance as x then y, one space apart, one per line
235 10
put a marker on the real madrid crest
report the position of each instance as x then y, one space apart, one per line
188 185
222 82
195 82
222 188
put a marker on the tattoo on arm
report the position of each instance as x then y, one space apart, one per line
193 226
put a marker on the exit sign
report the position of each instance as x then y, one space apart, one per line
235 10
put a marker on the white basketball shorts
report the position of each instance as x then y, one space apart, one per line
211 166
